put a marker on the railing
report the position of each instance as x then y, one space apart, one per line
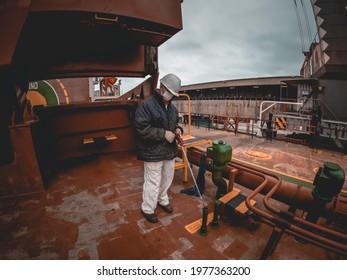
333 129
281 127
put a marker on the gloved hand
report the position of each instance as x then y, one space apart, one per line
178 131
178 134
169 136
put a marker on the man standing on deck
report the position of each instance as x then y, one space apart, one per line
156 121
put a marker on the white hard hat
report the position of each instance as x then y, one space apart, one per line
172 83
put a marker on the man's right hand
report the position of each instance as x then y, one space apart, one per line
169 136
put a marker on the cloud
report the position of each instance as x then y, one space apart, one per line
231 39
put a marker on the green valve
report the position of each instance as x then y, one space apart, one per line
328 182
220 152
220 155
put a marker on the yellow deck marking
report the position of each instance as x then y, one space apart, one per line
230 195
257 154
195 226
242 208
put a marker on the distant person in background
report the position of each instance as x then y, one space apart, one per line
269 128
156 121
209 121
185 120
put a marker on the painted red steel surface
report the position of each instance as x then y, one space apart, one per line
47 39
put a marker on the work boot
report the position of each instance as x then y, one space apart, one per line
152 218
167 208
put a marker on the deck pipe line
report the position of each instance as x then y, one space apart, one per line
289 216
294 230
286 224
286 218
264 187
313 242
287 193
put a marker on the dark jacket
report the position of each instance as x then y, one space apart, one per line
151 121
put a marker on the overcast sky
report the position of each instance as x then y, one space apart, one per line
232 39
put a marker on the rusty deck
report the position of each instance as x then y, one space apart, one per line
91 210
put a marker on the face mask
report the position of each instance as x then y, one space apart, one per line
167 96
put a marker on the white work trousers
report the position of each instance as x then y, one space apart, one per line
158 177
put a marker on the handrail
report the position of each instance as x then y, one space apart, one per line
189 117
261 111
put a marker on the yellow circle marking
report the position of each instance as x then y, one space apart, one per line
257 154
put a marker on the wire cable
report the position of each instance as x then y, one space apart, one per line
299 25
310 39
